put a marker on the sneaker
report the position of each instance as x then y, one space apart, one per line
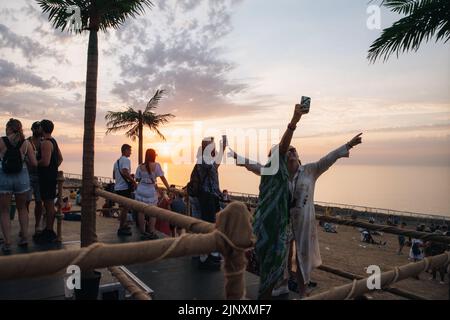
280 291
123 232
46 236
312 284
149 236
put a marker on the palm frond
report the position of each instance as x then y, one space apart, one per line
155 100
154 121
58 13
429 18
114 13
133 133
110 13
121 120
402 6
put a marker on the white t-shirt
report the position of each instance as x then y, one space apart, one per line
121 184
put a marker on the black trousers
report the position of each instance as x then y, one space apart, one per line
209 206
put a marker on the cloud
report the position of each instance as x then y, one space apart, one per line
40 105
13 75
30 48
183 55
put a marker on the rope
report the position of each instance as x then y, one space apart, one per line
407 271
230 243
85 252
352 290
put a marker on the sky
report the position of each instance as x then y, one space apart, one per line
236 67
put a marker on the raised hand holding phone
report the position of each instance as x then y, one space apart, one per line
305 103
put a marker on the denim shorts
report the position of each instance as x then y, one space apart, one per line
16 183
34 188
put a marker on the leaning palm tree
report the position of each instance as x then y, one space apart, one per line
95 15
135 120
424 19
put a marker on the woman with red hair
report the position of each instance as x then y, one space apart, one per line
146 175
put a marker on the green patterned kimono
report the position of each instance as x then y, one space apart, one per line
271 226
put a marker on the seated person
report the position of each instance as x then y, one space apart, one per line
329 227
73 194
66 205
367 238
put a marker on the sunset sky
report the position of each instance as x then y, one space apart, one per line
234 65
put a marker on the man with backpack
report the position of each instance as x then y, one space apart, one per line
49 160
124 186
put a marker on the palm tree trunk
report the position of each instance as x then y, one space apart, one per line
88 201
141 138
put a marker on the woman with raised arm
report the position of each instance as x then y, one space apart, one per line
271 221
302 182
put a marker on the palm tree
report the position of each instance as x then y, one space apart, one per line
424 20
135 120
95 15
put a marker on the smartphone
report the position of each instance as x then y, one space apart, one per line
305 103
225 141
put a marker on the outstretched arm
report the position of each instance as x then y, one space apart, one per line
287 137
250 165
326 162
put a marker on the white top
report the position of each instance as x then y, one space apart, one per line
146 190
121 184
303 215
413 256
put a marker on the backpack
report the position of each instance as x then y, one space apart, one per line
12 161
193 187
416 249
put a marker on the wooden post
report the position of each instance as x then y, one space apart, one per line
59 215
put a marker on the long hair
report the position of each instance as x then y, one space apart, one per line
16 127
150 157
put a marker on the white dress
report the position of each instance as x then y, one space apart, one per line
303 216
146 190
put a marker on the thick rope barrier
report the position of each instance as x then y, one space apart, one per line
129 285
388 229
231 236
181 221
352 276
359 287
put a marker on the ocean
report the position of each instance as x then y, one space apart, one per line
418 189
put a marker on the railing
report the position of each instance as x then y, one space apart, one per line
384 212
